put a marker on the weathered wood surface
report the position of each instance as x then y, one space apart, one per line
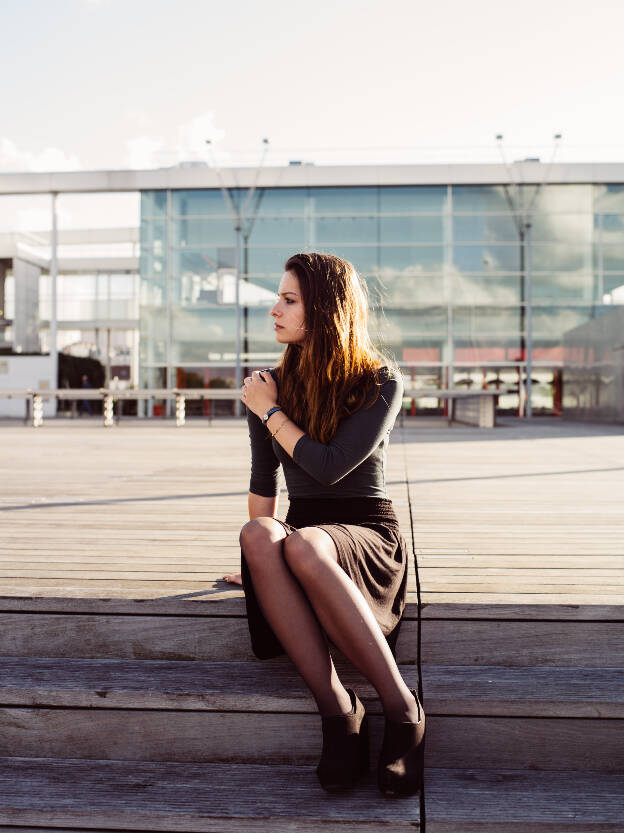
295 738
223 638
517 514
213 798
246 686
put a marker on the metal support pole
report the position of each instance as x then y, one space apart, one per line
528 299
53 300
237 263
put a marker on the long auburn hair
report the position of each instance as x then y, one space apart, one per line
332 372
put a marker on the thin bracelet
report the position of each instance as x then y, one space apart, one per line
281 425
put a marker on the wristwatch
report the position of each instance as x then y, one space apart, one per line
272 410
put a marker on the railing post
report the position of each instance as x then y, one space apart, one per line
180 409
108 410
37 410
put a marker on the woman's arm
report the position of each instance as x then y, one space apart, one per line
358 435
262 507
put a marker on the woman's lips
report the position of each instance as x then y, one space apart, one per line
278 326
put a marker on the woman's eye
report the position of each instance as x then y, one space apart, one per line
290 300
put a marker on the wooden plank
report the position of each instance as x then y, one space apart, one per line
159 796
127 588
250 686
598 580
230 602
295 738
227 557
510 643
66 484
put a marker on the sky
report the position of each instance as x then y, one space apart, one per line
109 84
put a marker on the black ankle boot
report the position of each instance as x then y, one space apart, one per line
402 759
345 748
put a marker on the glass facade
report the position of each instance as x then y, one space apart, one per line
446 269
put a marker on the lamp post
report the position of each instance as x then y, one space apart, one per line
53 291
241 227
523 221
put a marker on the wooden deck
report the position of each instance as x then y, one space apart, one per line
147 511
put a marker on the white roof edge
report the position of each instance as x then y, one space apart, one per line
292 176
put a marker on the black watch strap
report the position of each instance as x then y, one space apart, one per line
265 418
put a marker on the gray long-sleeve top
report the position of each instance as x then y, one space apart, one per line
352 464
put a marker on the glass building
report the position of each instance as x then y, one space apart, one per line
459 285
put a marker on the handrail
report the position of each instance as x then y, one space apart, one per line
110 395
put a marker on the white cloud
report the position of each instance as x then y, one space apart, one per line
154 152
50 159
192 137
144 152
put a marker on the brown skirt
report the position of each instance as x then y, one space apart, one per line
371 551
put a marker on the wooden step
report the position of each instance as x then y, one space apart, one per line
276 686
518 637
70 794
149 710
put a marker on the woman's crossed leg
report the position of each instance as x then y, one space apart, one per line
304 593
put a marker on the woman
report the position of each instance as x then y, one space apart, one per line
337 567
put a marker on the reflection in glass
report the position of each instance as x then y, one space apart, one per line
614 284
203 233
340 230
482 322
404 288
363 258
412 199
357 200
201 262
271 201
468 228
153 203
416 258
486 289
422 229
570 286
487 258
479 198
200 203
153 292
268 260
549 323
562 228
559 198
557 257
276 231
613 258
609 198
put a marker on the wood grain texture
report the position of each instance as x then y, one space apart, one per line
252 687
148 511
444 641
212 798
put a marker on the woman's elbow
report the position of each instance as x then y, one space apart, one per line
329 478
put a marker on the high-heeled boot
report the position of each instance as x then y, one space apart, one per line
402 759
345 753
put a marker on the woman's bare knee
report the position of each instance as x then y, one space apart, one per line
260 540
307 550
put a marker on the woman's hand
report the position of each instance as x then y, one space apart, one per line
259 392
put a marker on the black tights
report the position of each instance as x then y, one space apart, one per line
304 594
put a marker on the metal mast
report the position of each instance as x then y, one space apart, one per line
523 219
242 226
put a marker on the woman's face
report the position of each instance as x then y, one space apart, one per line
288 312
